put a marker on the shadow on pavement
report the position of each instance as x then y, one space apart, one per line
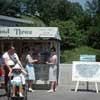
41 86
84 90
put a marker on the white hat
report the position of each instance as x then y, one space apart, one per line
17 66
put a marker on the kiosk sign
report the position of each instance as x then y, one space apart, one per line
29 32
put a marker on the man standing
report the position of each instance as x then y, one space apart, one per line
10 58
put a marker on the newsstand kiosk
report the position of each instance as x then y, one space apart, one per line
42 39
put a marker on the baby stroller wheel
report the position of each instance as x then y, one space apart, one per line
25 91
8 90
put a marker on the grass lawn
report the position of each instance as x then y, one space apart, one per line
68 56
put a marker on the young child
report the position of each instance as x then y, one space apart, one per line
18 78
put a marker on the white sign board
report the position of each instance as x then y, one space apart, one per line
86 71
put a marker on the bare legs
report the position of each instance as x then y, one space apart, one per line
20 90
14 90
52 86
30 83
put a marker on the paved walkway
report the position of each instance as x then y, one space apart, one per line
62 93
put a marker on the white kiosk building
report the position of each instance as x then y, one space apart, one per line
42 39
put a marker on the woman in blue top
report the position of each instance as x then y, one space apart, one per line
30 69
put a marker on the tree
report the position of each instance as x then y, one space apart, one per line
94 30
94 37
98 11
57 9
70 36
9 7
92 7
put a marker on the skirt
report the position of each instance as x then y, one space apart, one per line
30 71
53 73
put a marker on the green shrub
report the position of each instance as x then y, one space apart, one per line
68 56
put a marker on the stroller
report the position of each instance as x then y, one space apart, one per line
14 84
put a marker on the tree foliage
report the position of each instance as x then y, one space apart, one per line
77 26
57 9
92 7
93 31
9 7
70 35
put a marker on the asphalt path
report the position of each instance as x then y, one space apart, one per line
62 93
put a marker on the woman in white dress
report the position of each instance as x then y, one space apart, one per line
52 70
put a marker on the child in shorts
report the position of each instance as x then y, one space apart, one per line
18 78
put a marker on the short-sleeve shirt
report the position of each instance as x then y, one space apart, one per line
9 60
17 78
